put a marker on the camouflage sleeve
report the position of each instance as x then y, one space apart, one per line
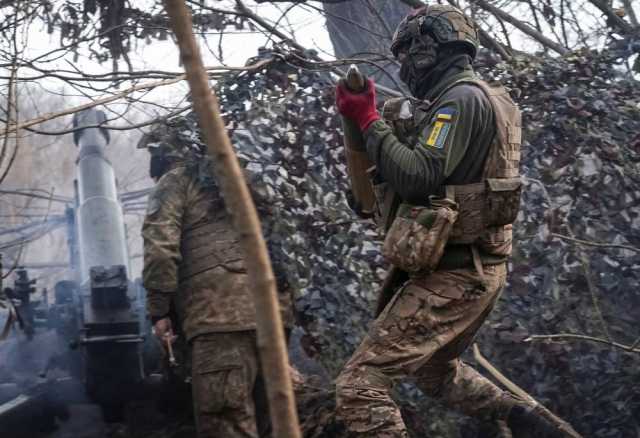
161 232
417 171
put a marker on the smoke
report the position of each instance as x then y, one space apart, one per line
44 372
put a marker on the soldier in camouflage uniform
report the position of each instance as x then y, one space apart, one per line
461 140
193 267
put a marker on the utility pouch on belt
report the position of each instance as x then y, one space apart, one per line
491 203
503 200
416 240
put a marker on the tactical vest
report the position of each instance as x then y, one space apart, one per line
488 208
210 244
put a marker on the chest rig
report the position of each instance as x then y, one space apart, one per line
486 210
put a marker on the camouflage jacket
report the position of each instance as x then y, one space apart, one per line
192 259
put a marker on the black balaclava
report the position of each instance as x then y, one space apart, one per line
158 166
426 63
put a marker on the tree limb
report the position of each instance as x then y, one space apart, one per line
559 422
504 381
271 339
612 18
628 7
124 93
523 27
242 8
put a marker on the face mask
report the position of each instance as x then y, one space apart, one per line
421 58
157 166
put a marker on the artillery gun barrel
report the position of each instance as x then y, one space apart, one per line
101 231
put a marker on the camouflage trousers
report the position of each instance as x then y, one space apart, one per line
420 334
229 395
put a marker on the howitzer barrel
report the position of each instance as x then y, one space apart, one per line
101 231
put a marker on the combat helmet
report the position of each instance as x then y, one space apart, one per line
446 24
162 141
167 149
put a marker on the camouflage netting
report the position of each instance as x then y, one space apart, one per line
581 160
581 157
286 132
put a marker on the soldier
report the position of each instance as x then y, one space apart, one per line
193 266
460 142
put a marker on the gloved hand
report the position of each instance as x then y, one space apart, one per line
359 107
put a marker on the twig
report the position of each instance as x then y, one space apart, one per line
559 422
5 142
612 17
590 284
62 199
501 377
242 8
104 125
124 93
564 336
628 7
596 244
584 261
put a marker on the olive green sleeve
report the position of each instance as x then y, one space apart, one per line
453 144
412 171
471 132
161 232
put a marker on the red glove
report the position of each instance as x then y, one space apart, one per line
359 107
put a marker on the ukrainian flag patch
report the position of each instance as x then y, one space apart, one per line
440 127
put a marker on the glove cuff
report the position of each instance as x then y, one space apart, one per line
365 122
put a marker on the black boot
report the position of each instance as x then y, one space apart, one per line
535 422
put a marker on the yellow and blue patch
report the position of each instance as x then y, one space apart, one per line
440 127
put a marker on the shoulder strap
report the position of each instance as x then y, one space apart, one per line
421 124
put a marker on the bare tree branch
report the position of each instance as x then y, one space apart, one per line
613 19
499 13
511 386
596 244
570 336
523 27
124 93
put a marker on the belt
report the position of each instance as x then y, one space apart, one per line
461 257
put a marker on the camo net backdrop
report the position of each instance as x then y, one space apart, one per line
288 139
581 159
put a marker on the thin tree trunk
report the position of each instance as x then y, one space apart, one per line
271 340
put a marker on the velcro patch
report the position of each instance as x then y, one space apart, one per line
440 127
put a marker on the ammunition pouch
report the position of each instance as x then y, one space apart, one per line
492 203
416 240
